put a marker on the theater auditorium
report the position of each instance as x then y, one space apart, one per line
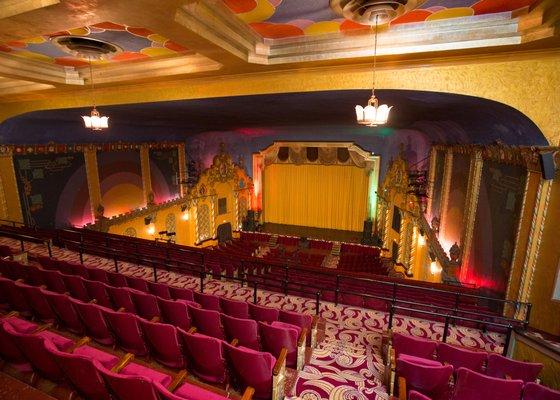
280 200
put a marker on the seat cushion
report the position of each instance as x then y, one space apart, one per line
60 342
139 370
21 325
193 392
105 359
272 359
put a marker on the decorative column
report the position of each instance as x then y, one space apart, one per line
146 178
372 170
535 237
182 158
431 180
92 173
473 190
447 168
10 205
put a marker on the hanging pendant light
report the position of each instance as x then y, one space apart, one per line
95 121
373 114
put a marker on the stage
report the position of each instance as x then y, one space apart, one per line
312 233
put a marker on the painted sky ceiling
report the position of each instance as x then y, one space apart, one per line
274 19
137 44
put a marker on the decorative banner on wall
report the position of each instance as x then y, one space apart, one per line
164 172
120 177
497 217
53 189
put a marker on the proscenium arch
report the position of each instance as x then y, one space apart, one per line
527 83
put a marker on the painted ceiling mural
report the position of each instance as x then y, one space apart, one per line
136 44
275 19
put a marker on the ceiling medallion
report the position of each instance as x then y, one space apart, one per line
86 47
367 12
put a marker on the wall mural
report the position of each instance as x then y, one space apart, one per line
164 171
497 216
120 177
53 189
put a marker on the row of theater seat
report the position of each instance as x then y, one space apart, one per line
169 345
270 330
427 367
89 372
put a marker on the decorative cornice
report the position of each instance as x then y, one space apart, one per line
62 148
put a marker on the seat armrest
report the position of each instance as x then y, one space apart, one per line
43 327
192 330
93 301
11 314
248 393
313 332
302 341
79 343
279 376
127 358
234 342
179 378
155 319
402 388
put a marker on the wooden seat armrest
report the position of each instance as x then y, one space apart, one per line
179 378
192 330
43 286
392 358
508 377
280 362
234 342
302 337
314 322
121 309
79 343
248 393
155 319
20 280
11 314
43 327
127 358
93 301
402 388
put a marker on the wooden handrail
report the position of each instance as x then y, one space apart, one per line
280 362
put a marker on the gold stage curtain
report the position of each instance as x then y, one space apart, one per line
322 196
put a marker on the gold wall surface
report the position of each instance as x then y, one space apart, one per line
527 82
10 207
550 374
546 312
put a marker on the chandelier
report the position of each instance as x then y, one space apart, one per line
373 114
94 121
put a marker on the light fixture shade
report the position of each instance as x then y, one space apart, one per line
373 114
95 121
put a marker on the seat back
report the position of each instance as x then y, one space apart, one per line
234 308
137 283
81 373
121 297
76 287
163 340
297 319
78 269
471 385
127 330
47 263
160 290
205 356
534 391
65 312
127 387
430 380
33 347
179 293
274 338
413 346
206 322
94 321
175 313
117 279
98 291
14 295
460 357
9 349
146 304
252 368
264 314
38 302
207 301
244 330
54 281
98 274
502 367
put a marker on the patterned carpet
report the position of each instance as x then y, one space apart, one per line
347 364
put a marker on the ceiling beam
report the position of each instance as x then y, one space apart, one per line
15 86
9 8
37 71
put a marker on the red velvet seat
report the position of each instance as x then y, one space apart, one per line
205 356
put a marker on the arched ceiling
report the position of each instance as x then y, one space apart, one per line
443 118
